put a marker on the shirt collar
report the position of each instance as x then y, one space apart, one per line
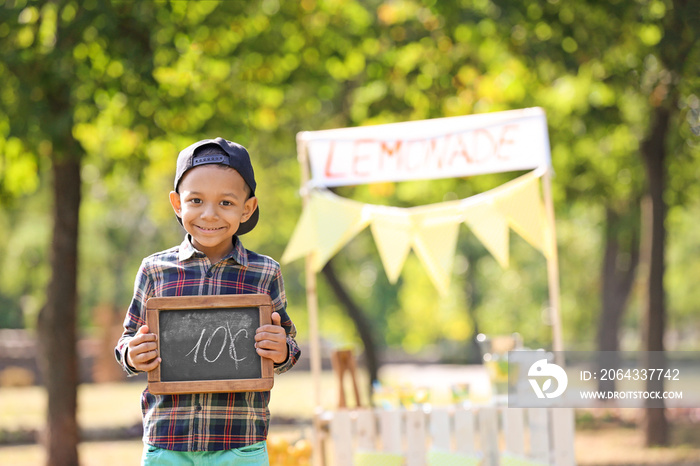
238 253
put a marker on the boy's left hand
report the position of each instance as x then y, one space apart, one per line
271 340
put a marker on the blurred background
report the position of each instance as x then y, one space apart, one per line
98 97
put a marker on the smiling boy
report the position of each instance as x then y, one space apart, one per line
214 200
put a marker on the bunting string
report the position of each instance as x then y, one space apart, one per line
329 221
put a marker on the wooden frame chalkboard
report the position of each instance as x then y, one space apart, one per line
207 344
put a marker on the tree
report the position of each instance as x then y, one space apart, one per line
45 92
364 327
55 62
620 260
678 53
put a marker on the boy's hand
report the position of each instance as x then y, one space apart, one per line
271 340
143 351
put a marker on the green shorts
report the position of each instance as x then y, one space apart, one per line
252 455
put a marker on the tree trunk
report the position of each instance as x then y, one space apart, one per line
674 51
653 151
619 268
362 324
57 326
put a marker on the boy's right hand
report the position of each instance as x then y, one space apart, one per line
142 354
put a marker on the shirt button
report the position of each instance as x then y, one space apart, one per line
209 274
198 407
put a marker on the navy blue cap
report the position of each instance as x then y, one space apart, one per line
220 151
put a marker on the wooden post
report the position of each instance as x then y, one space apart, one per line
312 305
552 264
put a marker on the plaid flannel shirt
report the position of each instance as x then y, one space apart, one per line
205 421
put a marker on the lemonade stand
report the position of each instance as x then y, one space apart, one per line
461 146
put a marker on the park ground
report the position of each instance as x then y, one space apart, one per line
109 414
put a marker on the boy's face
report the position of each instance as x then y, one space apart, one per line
212 202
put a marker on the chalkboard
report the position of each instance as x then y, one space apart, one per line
207 343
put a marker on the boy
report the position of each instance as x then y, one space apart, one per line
214 200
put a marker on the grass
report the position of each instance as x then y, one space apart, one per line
619 446
601 439
91 454
608 446
118 404
99 406
110 406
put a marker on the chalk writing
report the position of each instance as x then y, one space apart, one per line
228 335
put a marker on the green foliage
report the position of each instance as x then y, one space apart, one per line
146 79
24 272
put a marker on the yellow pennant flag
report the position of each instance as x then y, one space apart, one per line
434 239
430 230
338 221
391 229
521 204
435 243
327 223
491 228
303 241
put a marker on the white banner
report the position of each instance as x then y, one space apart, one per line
429 149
